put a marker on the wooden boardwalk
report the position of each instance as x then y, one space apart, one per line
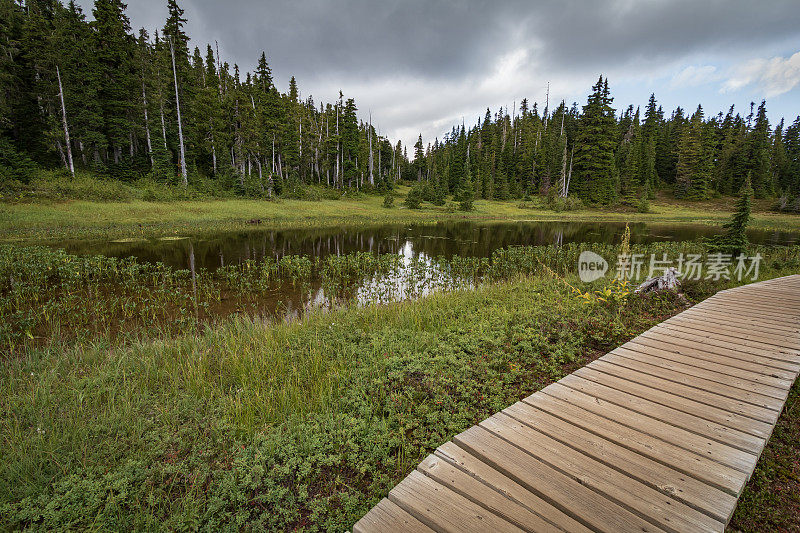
661 434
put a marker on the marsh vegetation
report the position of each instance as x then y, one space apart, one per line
137 395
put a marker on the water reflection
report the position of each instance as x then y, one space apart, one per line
414 271
444 239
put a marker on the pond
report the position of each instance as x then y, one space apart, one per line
409 249
284 273
470 239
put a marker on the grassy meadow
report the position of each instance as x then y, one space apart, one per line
242 422
138 397
125 212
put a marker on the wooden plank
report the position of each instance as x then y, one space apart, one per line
482 495
716 365
691 441
759 430
735 331
785 357
767 299
581 503
691 351
482 472
769 343
690 387
743 321
651 505
763 294
765 365
700 496
747 390
710 429
387 516
735 300
441 509
740 299
766 291
743 318
715 474
718 305
659 434
744 298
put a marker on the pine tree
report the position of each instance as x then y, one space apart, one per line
778 160
734 240
650 135
758 151
350 142
466 194
419 158
595 179
630 156
792 146
693 171
116 68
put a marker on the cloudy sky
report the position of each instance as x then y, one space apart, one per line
420 66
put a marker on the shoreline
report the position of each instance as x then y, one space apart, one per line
33 223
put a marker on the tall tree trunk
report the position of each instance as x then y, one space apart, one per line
563 181
327 153
178 108
569 174
260 175
147 126
163 124
213 152
336 176
547 106
70 165
369 132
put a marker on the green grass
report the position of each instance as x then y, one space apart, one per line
284 426
771 499
49 220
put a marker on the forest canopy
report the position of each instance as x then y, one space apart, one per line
97 97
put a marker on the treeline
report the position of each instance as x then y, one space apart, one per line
95 96
604 157
92 95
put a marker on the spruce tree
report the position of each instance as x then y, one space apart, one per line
466 193
350 142
630 155
594 168
758 152
117 87
734 240
792 146
693 170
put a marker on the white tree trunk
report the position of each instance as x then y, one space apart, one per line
336 175
147 126
213 151
369 132
70 165
563 180
178 108
569 174
163 125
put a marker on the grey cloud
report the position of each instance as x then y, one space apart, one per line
417 63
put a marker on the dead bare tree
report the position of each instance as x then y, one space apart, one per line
71 166
178 108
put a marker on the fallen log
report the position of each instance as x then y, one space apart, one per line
667 281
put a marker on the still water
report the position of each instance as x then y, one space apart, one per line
472 239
